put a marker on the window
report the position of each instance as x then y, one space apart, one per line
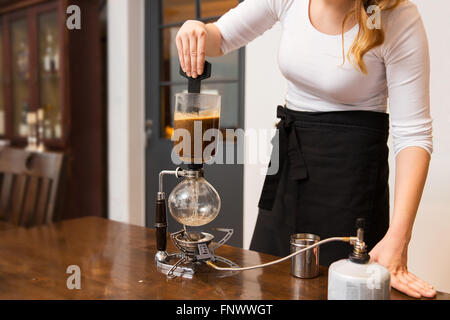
227 71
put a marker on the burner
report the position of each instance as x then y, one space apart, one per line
195 249
189 241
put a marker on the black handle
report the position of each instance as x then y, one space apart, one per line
161 224
195 83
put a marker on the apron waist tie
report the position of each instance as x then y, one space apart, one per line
288 150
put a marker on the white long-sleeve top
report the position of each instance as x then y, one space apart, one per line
311 61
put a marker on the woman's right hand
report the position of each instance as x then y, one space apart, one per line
191 45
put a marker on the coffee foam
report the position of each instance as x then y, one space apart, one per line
204 114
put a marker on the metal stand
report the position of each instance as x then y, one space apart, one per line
192 254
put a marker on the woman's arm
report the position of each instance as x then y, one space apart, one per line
392 252
406 56
236 28
410 176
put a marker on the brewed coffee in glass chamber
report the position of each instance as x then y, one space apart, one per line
195 114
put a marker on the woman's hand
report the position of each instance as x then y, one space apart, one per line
391 252
191 42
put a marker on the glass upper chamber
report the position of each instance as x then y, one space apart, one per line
196 122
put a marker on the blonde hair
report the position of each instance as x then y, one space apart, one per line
366 38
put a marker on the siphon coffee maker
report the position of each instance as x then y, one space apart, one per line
194 201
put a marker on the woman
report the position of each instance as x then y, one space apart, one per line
340 69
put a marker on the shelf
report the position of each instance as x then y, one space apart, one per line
49 76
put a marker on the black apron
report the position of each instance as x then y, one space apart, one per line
333 169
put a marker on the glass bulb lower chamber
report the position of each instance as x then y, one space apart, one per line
194 202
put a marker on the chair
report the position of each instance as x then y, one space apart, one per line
29 183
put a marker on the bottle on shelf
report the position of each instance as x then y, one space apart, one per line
51 57
57 128
2 121
23 61
32 132
23 124
48 126
40 130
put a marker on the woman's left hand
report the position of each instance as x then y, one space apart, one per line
392 252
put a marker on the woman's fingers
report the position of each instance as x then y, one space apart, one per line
407 280
410 280
412 284
191 46
201 51
180 52
426 284
193 52
425 291
403 287
186 55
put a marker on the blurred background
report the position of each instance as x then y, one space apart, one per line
102 97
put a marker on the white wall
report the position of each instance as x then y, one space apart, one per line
429 255
126 116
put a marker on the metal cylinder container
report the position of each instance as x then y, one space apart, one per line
348 280
305 265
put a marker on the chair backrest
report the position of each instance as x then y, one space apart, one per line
29 183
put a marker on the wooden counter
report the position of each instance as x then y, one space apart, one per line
5 226
117 262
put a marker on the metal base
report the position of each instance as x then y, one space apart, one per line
185 271
193 253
